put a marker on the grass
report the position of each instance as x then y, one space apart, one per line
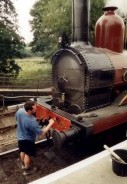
33 67
36 69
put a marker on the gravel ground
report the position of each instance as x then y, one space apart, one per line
47 161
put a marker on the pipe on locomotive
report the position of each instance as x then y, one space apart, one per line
125 35
59 138
80 23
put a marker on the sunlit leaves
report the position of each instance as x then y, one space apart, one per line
52 17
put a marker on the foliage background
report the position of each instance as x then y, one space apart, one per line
52 17
10 41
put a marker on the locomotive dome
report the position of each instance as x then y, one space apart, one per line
109 30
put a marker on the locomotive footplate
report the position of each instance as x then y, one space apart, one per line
67 126
64 120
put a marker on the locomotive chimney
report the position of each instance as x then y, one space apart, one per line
80 20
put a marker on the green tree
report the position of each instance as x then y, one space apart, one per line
52 17
10 41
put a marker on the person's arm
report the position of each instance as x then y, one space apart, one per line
46 129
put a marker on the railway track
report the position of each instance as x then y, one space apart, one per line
8 128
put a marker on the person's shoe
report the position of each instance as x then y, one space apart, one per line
23 167
29 171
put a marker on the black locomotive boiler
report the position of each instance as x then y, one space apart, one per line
89 83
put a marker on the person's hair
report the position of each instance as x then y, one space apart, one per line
29 105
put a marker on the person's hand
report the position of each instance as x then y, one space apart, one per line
47 128
52 121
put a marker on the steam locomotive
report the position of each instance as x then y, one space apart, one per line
89 93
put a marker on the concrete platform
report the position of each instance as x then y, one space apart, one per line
94 170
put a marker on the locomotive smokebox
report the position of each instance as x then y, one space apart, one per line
80 20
